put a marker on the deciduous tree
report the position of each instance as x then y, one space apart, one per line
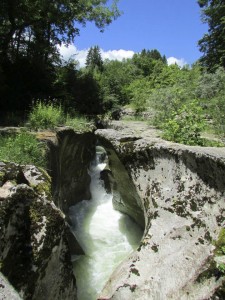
30 32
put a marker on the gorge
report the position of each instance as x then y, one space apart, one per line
175 193
106 235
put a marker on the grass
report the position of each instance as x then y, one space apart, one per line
23 148
48 116
79 123
134 118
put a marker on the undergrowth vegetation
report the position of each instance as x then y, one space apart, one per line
185 124
186 103
46 115
23 148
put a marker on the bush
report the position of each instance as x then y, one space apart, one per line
185 125
48 116
218 114
45 115
138 91
166 101
23 148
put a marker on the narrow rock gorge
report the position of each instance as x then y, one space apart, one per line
182 199
175 193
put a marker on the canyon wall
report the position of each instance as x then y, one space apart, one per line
182 192
69 159
176 193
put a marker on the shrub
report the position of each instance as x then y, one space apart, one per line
23 148
185 125
218 114
44 115
166 101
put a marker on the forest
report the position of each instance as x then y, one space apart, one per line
182 102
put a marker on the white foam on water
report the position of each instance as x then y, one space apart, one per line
106 235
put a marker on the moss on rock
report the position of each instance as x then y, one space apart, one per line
33 238
2 177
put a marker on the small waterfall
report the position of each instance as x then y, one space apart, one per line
106 235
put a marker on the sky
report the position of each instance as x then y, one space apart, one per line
173 27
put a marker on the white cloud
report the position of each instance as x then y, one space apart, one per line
117 54
179 61
72 52
67 52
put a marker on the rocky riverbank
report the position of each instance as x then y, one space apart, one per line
34 243
182 200
175 192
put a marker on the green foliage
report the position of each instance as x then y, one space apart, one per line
220 243
31 33
23 148
210 85
218 115
115 78
146 60
44 115
94 59
166 101
44 24
168 76
48 116
88 93
213 43
185 125
221 268
79 123
66 81
211 90
138 92
220 250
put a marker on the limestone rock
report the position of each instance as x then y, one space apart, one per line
69 160
6 290
182 192
34 248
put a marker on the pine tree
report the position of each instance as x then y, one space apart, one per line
94 59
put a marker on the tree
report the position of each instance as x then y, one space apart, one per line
30 32
87 94
213 43
146 60
48 23
94 59
116 76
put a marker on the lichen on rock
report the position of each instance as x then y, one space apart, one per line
182 193
34 249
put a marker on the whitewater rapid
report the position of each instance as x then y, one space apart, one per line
106 235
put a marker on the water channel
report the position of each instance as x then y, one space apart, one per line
106 235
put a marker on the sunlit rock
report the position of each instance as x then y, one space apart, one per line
34 249
182 197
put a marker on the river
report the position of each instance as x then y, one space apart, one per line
106 235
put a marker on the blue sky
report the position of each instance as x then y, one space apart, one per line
171 26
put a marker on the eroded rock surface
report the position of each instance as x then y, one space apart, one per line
182 192
34 246
69 161
6 290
